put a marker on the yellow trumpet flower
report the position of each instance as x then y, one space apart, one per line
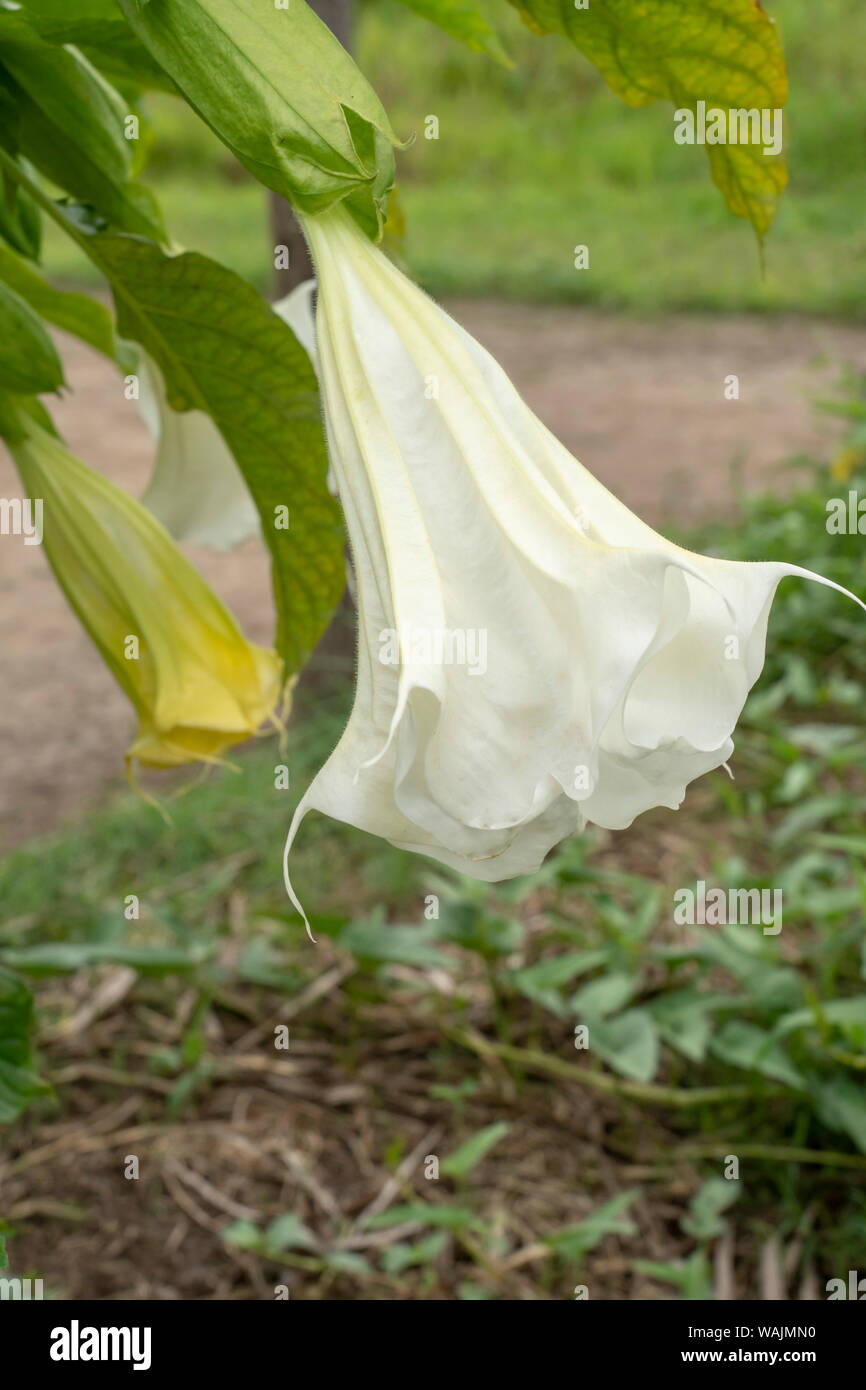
197 684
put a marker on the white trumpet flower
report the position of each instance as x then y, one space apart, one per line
196 489
532 656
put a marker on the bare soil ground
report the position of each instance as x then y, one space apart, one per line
641 404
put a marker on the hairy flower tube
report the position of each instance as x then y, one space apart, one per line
532 656
197 684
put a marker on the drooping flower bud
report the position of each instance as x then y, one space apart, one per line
197 684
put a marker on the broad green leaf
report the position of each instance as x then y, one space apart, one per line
347 1262
62 22
848 1015
377 941
19 1084
28 358
20 219
745 1045
629 1043
285 1233
684 1021
604 996
725 53
839 1102
466 924
576 1241
452 1218
693 1277
18 1087
464 1159
706 1207
400 1255
246 1235
463 20
748 956
57 110
75 313
100 30
222 349
16 1019
541 982
280 91
13 408
288 1232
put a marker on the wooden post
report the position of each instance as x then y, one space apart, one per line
337 14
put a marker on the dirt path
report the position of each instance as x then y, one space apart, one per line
641 404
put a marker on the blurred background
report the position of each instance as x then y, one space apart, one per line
414 1036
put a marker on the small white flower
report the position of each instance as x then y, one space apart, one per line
607 646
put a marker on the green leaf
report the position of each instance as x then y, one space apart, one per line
470 1153
288 1232
684 1020
452 1218
464 21
751 959
693 1277
75 313
604 996
347 1262
377 941
18 1088
20 219
848 1015
839 1102
280 91
98 27
19 1084
574 1242
28 359
706 1207
629 1043
726 53
14 410
59 112
745 1045
400 1255
16 1019
244 1234
468 926
222 349
541 982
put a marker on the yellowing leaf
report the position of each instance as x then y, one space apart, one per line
725 53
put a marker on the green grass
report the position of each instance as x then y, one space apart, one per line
533 161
